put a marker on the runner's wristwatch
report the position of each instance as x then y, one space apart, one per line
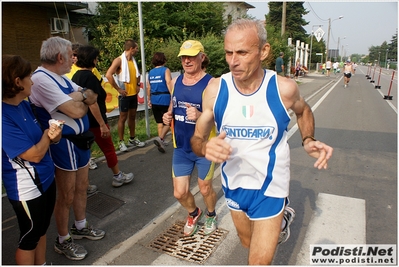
83 91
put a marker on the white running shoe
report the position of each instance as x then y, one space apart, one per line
123 178
122 146
92 164
135 142
160 144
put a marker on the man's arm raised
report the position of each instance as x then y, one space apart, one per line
215 149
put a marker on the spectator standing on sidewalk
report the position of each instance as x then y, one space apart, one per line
255 167
91 189
27 168
158 94
87 60
280 65
57 97
185 108
128 86
298 68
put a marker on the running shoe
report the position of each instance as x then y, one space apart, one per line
88 232
192 224
135 142
210 225
70 249
122 146
92 164
123 178
91 189
289 215
160 144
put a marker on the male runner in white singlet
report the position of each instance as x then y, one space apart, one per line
249 107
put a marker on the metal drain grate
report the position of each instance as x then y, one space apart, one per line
100 204
196 248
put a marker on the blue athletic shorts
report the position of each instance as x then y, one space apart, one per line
183 164
68 157
254 203
127 102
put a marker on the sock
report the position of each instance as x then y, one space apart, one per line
117 175
211 214
61 239
194 213
80 224
132 138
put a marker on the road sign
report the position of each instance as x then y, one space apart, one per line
319 54
319 33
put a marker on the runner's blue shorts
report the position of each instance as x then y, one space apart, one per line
68 157
254 203
183 164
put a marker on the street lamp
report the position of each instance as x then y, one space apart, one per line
379 55
338 48
329 29
386 58
311 44
345 50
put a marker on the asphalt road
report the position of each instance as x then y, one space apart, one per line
356 121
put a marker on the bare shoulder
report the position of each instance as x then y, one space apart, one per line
288 90
213 86
115 66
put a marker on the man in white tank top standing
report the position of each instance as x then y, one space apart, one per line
249 106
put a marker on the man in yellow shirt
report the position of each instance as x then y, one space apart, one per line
127 83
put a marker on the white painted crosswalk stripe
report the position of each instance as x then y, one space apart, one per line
336 220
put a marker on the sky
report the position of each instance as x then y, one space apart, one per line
364 24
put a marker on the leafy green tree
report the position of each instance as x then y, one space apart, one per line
164 23
116 22
166 19
293 29
393 48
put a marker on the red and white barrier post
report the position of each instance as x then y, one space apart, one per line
378 86
372 80
368 71
389 97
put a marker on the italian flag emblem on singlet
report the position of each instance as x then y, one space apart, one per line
248 111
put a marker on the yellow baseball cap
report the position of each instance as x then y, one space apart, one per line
190 48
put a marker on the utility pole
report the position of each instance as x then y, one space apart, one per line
328 38
283 18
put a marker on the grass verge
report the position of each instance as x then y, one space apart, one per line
141 131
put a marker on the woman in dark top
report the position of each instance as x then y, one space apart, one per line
87 60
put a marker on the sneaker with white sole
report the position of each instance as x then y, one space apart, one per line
91 189
160 144
70 249
88 232
122 146
289 215
135 142
210 225
191 225
92 164
123 178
